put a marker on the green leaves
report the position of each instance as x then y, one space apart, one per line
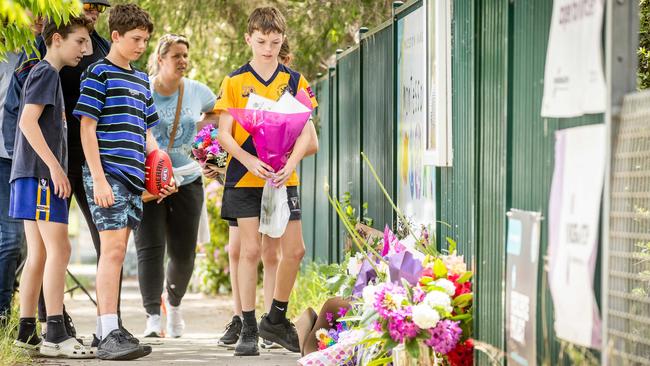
465 277
439 268
413 348
463 300
15 22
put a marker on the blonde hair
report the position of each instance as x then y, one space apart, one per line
162 48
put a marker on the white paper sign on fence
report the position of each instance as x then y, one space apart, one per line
574 82
574 214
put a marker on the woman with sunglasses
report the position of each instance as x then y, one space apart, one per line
184 106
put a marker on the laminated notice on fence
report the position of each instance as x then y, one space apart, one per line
574 82
574 215
522 248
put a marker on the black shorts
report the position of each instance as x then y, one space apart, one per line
239 203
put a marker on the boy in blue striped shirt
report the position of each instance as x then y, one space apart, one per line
116 111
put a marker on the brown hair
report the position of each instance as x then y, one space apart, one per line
50 28
162 48
285 52
126 17
267 20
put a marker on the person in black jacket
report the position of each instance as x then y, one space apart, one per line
70 83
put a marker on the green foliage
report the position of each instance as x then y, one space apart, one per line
9 355
351 212
212 268
216 30
15 21
644 45
314 285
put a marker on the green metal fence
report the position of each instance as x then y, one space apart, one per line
503 149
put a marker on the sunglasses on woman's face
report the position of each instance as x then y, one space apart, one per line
99 7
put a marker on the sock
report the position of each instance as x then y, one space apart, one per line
249 318
56 332
27 331
109 324
278 311
98 328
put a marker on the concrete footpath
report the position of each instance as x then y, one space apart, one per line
205 318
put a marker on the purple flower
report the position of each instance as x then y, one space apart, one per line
401 328
418 295
390 242
388 300
330 317
445 336
339 327
342 312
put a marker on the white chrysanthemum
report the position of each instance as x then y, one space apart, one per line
438 299
424 316
382 267
354 264
449 287
368 294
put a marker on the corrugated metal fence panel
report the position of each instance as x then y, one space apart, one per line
307 179
349 130
457 193
334 164
532 141
491 159
377 122
322 212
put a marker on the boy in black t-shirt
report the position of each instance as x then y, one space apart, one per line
40 188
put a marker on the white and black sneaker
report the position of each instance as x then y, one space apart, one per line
269 345
118 346
154 326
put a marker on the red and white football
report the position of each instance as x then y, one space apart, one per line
158 171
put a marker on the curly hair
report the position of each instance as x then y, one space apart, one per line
126 17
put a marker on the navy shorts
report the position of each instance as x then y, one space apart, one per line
34 199
239 203
126 211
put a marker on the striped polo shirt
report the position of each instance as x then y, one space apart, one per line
120 101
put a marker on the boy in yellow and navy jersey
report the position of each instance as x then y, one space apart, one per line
246 176
234 94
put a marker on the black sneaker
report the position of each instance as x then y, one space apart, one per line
233 330
284 333
247 343
69 325
128 334
95 342
117 346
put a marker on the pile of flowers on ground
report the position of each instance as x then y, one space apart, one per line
408 299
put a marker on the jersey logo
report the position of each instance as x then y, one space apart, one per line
310 92
246 90
284 88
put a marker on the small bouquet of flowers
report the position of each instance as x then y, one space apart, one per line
329 337
206 148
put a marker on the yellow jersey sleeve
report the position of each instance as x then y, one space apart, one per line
303 84
226 98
